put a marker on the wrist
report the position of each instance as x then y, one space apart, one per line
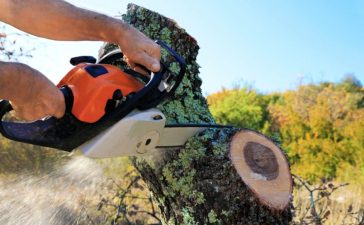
118 31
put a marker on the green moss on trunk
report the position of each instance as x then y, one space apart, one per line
197 184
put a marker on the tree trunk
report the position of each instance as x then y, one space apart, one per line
221 176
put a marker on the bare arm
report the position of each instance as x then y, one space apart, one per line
31 94
59 20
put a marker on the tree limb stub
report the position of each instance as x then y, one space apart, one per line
221 176
263 167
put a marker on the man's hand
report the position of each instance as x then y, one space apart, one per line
139 51
59 20
31 94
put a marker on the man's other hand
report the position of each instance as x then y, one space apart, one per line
140 52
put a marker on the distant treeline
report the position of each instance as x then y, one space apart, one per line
320 126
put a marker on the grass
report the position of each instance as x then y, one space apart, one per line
334 204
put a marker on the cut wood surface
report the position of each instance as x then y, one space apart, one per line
263 168
222 176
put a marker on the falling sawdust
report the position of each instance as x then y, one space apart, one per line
58 198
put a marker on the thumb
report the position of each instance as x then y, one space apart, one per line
60 107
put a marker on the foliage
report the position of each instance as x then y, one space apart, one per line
321 126
326 203
9 47
242 107
126 198
19 158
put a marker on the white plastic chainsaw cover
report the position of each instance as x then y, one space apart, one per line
136 134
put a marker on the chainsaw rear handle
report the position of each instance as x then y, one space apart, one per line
67 133
5 107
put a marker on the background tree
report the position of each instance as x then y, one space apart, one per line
243 107
319 125
9 47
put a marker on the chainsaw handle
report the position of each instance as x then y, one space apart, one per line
5 107
156 96
50 132
10 129
151 99
35 132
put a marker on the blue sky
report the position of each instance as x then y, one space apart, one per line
272 45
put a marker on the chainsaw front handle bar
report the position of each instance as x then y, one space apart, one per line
67 133
153 98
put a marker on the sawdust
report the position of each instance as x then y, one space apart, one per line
60 197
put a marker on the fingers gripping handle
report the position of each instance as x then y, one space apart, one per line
32 132
5 105
157 95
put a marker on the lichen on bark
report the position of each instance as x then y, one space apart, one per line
197 184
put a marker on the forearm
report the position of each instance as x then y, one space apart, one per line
32 95
11 83
59 20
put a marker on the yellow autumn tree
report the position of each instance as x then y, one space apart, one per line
321 126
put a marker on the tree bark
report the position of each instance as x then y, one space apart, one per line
221 176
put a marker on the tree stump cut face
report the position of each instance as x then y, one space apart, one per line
261 160
263 167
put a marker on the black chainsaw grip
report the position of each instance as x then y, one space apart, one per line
155 97
5 107
44 132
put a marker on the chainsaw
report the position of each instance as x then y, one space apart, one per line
110 111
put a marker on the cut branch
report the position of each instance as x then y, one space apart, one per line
263 168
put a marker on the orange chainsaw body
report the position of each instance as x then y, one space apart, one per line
93 85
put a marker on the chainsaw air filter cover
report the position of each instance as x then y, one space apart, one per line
97 89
